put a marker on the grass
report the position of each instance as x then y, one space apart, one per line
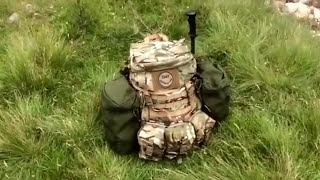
52 69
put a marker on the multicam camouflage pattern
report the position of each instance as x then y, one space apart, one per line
151 141
172 122
202 124
179 138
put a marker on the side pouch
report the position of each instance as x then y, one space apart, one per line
118 104
214 92
203 125
151 141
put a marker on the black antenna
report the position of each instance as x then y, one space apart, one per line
192 26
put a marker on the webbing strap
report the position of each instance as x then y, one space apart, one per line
170 105
161 114
185 113
183 94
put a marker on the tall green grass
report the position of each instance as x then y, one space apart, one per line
52 70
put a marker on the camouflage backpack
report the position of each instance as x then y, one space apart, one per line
172 121
157 107
164 102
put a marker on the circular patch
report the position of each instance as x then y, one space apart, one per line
165 79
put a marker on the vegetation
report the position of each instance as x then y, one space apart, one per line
53 66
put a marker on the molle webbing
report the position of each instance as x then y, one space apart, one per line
171 105
162 73
170 97
156 98
170 115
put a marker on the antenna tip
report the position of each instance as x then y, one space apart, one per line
191 13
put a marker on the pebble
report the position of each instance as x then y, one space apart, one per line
30 8
13 18
37 15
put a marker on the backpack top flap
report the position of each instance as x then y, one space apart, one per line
159 67
158 55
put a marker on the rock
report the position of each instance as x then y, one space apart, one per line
30 8
278 5
311 16
303 11
316 13
13 18
307 2
36 15
315 3
290 8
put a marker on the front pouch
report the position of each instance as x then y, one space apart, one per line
151 141
179 139
203 125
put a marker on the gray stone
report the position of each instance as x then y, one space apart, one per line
30 8
13 18
290 7
303 11
36 15
316 14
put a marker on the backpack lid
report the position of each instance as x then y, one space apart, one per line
158 55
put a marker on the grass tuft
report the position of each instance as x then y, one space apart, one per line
52 69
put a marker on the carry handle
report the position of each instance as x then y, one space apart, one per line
192 26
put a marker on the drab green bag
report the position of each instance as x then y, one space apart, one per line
119 114
214 90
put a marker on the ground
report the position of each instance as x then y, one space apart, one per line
53 65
